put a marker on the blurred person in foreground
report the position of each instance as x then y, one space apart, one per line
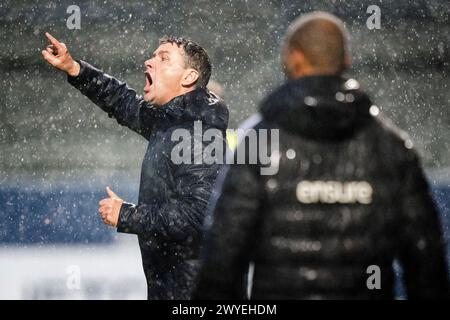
172 197
349 195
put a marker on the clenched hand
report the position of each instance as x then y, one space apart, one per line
110 208
58 56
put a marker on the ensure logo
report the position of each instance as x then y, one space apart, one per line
334 192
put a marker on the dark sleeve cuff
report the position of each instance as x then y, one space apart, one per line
126 218
85 77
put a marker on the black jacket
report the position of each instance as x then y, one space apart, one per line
349 194
172 198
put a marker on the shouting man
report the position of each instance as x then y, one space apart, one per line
173 197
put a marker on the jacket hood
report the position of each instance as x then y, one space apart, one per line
199 104
321 107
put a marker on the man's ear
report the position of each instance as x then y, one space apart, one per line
294 60
190 77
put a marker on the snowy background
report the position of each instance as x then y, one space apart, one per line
58 151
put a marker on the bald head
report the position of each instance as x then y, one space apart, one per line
315 43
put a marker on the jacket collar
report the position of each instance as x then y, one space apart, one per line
320 107
197 105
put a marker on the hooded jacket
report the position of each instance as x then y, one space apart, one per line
173 197
348 197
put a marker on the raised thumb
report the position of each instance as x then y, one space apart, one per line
111 194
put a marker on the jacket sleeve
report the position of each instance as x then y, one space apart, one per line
183 214
117 99
233 220
422 246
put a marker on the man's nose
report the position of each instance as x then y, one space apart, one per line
148 63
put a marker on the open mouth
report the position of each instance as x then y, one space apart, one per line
149 82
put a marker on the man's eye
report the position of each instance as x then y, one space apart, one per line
164 58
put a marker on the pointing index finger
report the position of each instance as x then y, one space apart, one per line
53 40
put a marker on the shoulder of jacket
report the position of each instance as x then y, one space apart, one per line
399 140
251 122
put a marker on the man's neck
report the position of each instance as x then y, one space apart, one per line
312 73
181 92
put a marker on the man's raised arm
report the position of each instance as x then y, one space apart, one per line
110 94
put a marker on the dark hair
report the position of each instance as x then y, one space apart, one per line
195 57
